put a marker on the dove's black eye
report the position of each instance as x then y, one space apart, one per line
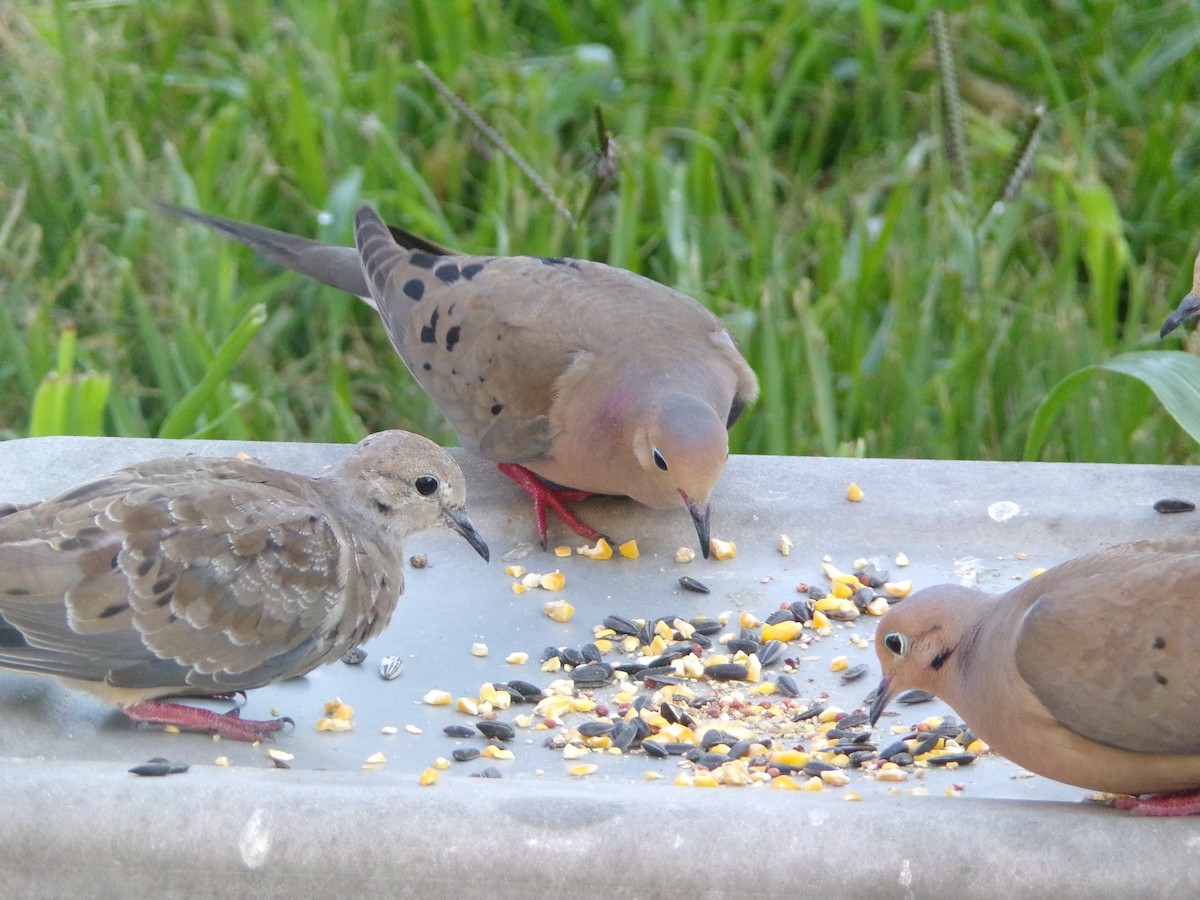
895 643
659 460
426 485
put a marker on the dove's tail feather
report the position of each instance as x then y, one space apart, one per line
337 267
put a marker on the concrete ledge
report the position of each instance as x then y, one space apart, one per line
327 826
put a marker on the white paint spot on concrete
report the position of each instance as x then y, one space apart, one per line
967 570
255 840
1003 510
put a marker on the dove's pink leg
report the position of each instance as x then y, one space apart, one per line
1178 803
191 718
544 496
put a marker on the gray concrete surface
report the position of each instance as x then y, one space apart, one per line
76 822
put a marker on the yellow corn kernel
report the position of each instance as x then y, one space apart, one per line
676 733
280 755
683 780
1036 572
683 628
814 785
604 645
753 669
514 571
784 546
582 704
491 751
664 631
553 664
629 550
629 644
891 772
877 607
479 649
437 698
821 624
685 555
763 689
722 549
562 552
977 746
854 493
787 630
555 581
429 777
840 591
517 659
467 705
325 723
651 776
583 769
374 760
784 783
222 761
793 759
518 588
898 588
747 619
330 705
441 763
705 779
559 610
852 795
839 664
602 550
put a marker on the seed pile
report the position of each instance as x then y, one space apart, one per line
722 695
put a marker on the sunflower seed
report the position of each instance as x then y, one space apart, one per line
1174 506
354 657
688 583
458 731
465 754
390 668
498 731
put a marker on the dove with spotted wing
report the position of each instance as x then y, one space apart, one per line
200 577
1086 674
574 377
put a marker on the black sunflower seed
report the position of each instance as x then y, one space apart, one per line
688 583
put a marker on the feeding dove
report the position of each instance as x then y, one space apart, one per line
1189 306
207 577
574 377
1086 674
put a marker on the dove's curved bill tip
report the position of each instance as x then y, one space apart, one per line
699 513
1188 309
458 521
883 696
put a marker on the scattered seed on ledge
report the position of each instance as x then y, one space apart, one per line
419 561
1174 506
390 667
158 766
354 657
910 697
688 583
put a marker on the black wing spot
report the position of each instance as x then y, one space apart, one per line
469 272
423 260
1160 678
414 289
452 336
1159 643
429 332
162 584
448 273
109 611
497 408
144 567
72 543
17 592
427 367
165 599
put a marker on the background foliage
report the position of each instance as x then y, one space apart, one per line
783 162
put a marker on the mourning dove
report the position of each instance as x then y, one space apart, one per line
568 374
195 577
1189 306
1086 674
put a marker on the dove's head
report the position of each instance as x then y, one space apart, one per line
681 445
922 642
411 484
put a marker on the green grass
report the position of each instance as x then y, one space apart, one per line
783 162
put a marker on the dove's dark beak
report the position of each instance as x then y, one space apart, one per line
1188 309
458 521
699 513
883 696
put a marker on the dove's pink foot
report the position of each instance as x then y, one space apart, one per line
1177 803
544 496
191 718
